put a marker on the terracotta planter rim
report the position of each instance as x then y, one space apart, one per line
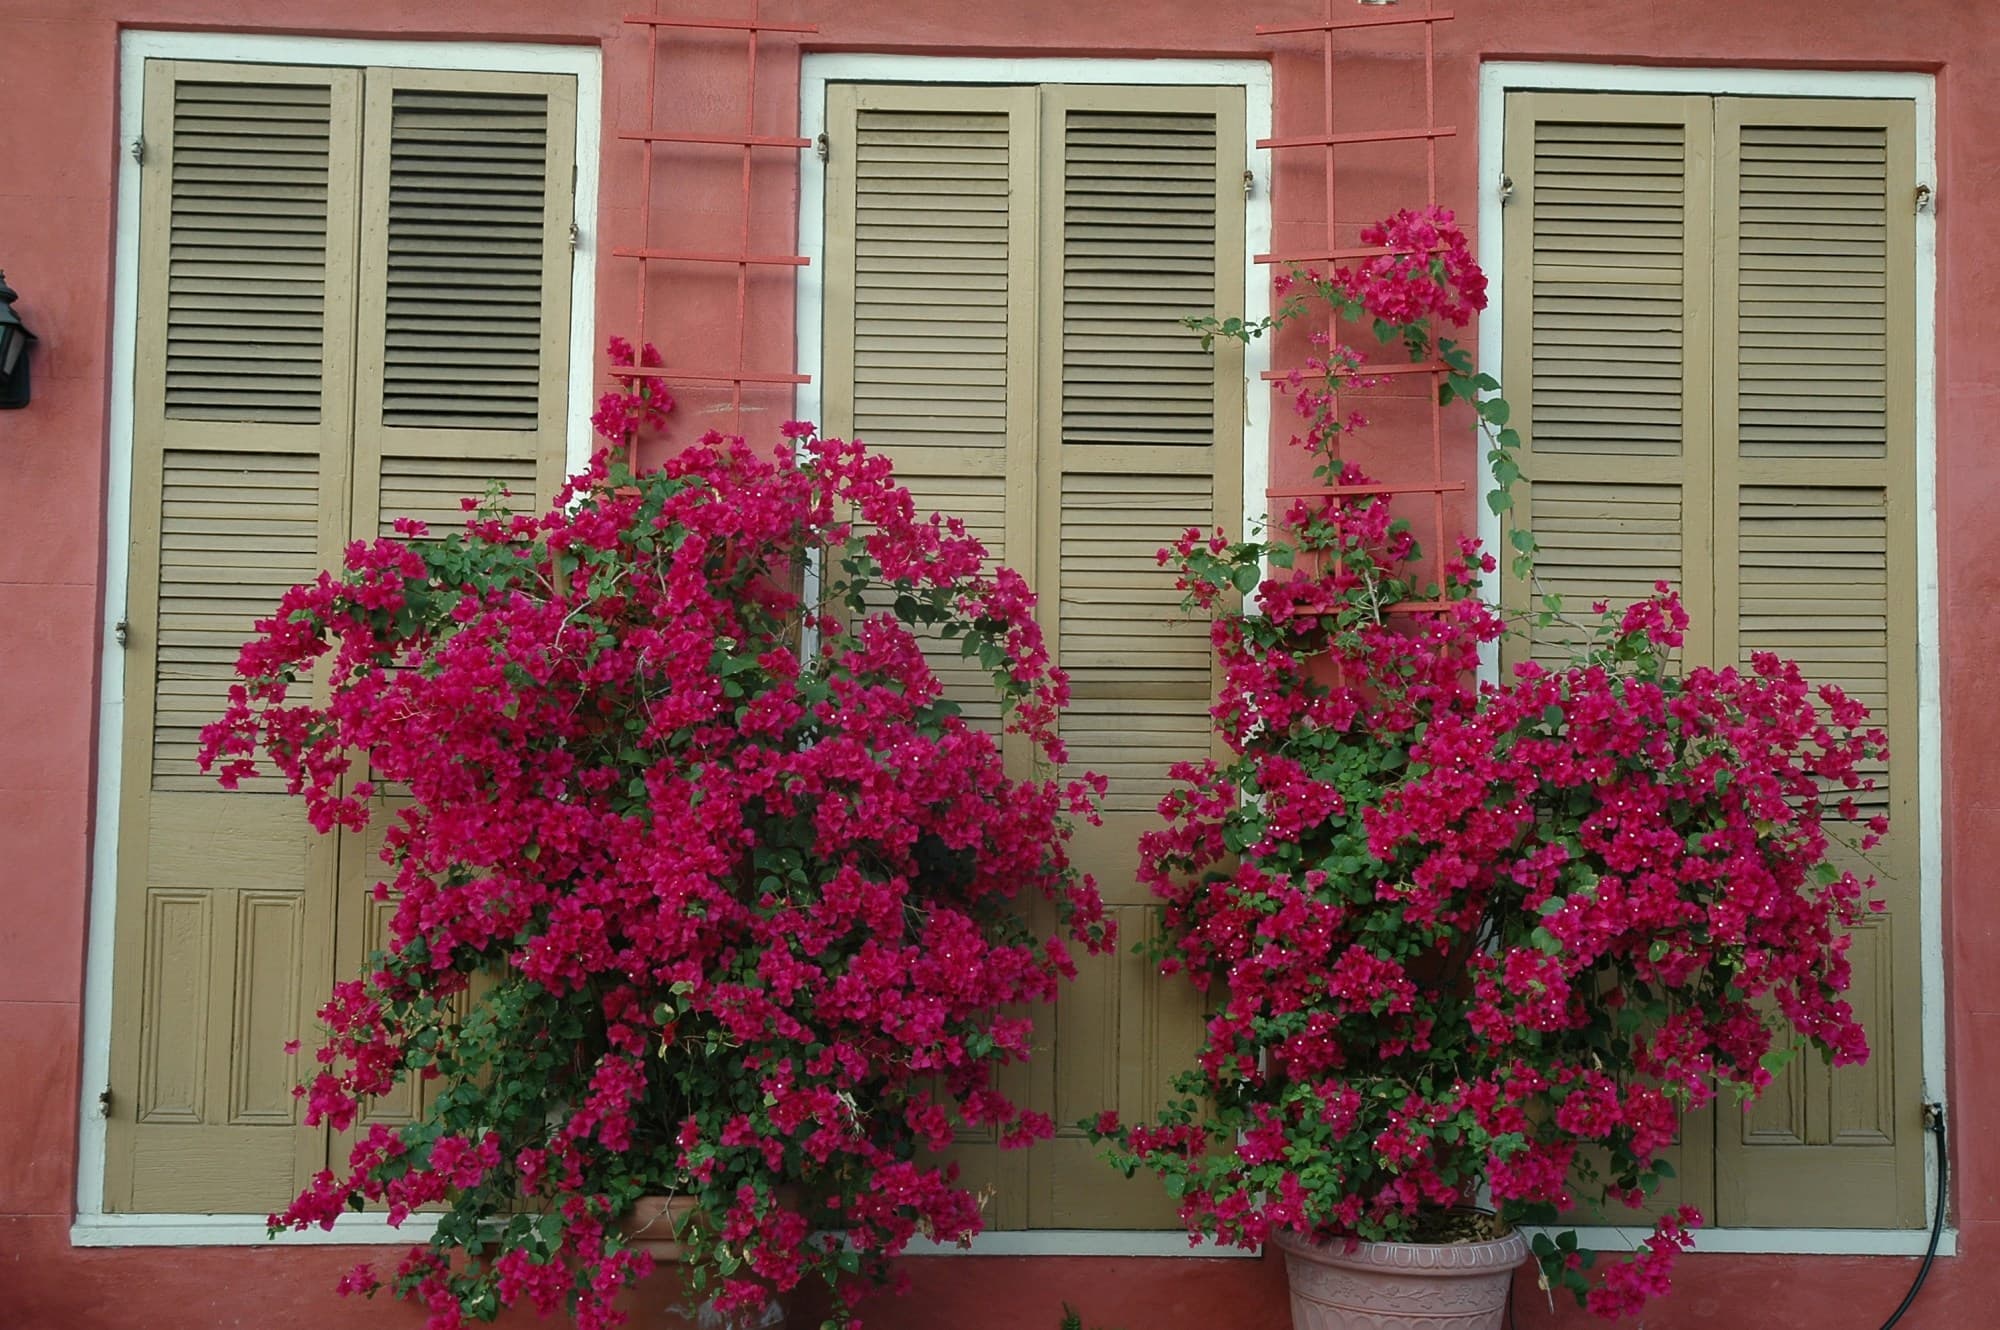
1444 1259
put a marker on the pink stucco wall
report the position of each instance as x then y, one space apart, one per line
58 159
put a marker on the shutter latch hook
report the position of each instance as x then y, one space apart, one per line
1925 198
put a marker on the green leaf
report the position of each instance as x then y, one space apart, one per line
1499 501
1245 578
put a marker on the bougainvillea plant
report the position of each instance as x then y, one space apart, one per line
680 907
1475 942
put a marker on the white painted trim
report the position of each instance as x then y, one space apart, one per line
1254 76
1897 1242
363 1230
366 1230
584 63
1496 80
1087 1242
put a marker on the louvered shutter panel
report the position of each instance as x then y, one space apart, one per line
930 328
1006 271
464 373
1605 286
464 298
1605 294
1141 438
1815 559
239 488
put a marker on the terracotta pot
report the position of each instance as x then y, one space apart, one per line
652 1222
1400 1285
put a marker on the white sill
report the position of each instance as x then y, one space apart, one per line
239 1231
369 1230
1082 1242
1781 1241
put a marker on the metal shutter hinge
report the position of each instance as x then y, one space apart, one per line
104 1103
1926 198
823 147
575 236
122 631
1506 190
139 151
1249 182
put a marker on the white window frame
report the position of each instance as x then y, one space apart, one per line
1497 79
92 1227
817 70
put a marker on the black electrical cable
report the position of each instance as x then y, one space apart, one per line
1934 1120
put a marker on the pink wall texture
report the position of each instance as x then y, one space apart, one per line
58 166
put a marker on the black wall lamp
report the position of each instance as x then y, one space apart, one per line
14 341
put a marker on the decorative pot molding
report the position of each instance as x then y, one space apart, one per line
1341 1285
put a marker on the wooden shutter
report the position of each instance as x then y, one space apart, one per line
1605 284
467 198
1815 431
1606 280
467 189
1141 437
1738 274
1006 271
930 335
239 488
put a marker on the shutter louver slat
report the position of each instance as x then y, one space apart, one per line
1140 670
236 530
1608 238
432 489
1605 542
1139 255
246 265
931 290
1813 586
467 194
1804 304
932 286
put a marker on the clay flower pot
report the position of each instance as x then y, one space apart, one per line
1340 1285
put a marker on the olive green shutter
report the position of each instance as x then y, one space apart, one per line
930 335
1781 356
1006 271
1608 240
1140 438
1815 428
354 305
239 489
466 202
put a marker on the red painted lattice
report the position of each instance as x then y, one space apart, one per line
738 372
1329 140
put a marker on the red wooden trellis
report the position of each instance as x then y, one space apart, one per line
1329 142
749 142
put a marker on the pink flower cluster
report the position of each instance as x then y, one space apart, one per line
1460 933
678 906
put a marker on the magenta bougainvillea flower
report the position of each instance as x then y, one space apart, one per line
699 888
1476 942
